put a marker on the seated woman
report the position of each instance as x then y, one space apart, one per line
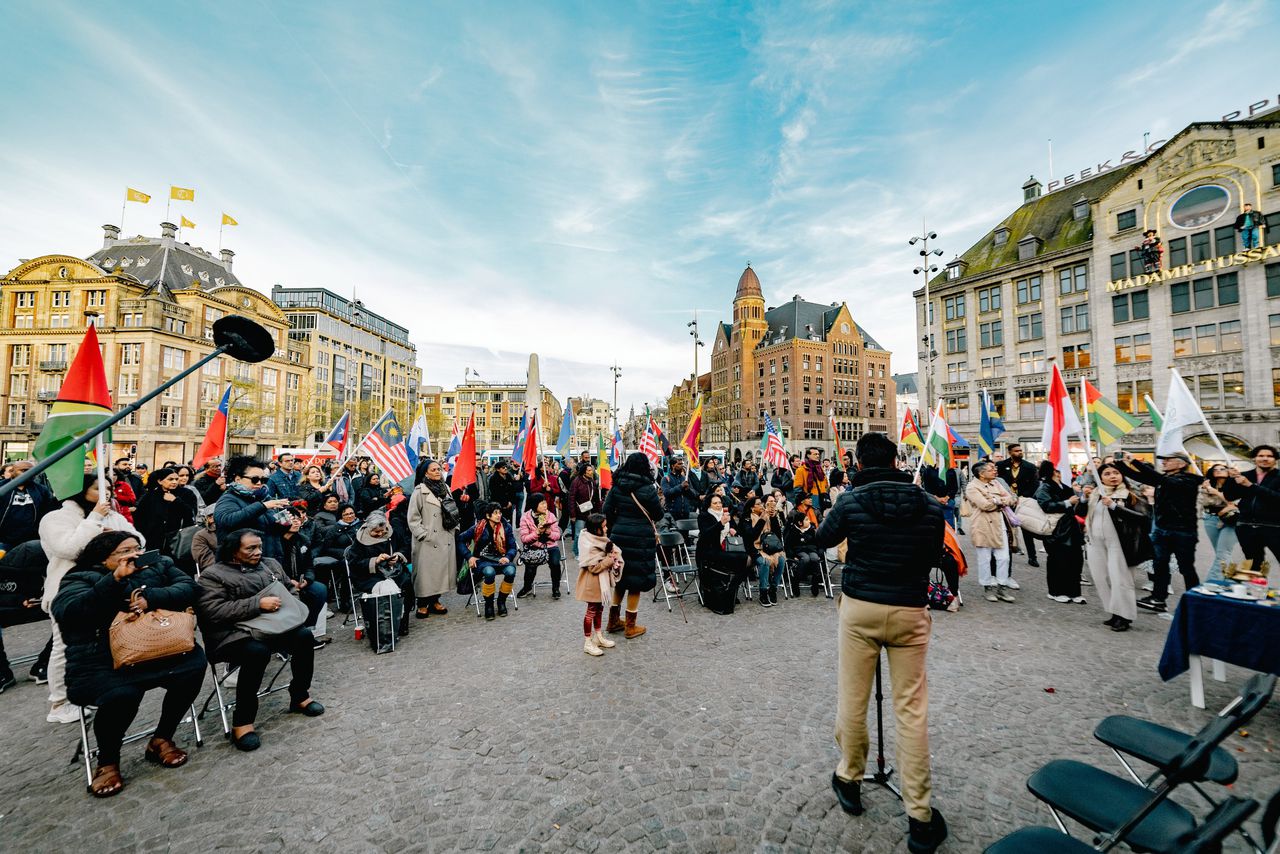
539 531
802 551
370 496
298 564
761 528
98 588
719 572
489 547
373 558
186 474
231 594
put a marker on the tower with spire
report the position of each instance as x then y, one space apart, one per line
749 328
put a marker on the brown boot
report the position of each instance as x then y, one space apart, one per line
615 624
633 630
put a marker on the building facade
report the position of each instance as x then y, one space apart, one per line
801 362
154 302
361 361
591 417
498 408
1063 278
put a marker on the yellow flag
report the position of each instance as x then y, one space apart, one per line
182 194
227 220
186 223
132 195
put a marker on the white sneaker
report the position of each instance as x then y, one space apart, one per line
1062 599
232 679
953 606
602 641
590 648
1079 600
1012 584
67 713
1149 586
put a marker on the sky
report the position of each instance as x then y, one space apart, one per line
575 179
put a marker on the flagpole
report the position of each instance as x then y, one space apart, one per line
103 493
123 205
928 444
1088 446
220 227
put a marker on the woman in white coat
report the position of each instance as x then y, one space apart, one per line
63 535
1111 572
433 519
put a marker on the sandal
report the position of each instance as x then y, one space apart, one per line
164 752
106 781
437 608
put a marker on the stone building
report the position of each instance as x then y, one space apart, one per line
154 301
498 408
800 361
591 417
1062 278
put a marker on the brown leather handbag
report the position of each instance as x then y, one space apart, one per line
151 635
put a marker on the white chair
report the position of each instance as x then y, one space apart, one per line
224 705
88 752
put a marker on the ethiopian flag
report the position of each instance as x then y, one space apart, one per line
1108 423
603 470
84 402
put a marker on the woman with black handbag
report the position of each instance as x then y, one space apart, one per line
762 534
166 516
1064 546
633 509
540 543
721 556
1117 525
104 583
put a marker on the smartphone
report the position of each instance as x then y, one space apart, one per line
147 558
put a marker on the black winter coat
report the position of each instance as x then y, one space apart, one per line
1259 502
679 494
502 490
1177 495
1052 498
1027 481
89 599
370 498
155 518
894 533
234 512
631 531
798 541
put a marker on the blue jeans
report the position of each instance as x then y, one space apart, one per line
578 525
1172 544
315 595
1249 237
490 572
1224 539
762 567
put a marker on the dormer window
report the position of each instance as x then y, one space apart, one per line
1029 247
953 272
956 268
1001 236
1080 209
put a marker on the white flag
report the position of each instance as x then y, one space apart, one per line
1180 410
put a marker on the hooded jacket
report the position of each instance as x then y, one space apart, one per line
894 534
631 531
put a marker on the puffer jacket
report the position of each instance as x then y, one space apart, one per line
631 531
530 535
231 594
1177 495
893 530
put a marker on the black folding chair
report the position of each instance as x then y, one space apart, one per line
677 567
1226 818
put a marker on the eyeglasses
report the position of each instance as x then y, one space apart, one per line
255 479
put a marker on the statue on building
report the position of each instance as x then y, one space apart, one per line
1152 251
1250 224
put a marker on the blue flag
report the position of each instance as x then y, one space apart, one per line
990 427
566 430
517 453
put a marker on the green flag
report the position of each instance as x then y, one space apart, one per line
1157 420
84 402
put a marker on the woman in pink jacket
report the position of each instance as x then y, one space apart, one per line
540 543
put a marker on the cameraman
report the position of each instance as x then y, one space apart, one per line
894 534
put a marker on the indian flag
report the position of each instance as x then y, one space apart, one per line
84 402
939 449
1107 422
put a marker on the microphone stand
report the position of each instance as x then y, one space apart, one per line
883 774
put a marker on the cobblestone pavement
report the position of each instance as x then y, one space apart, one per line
714 735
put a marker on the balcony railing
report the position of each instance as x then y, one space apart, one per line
46 395
53 365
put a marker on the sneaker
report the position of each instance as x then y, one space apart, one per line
1149 586
989 593
764 599
232 679
39 675
524 594
1013 583
1003 594
67 713
590 648
1152 604
849 794
7 681
1079 600
1062 599
924 837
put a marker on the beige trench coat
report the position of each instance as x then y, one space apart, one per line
435 561
986 520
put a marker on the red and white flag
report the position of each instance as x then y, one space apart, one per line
649 445
1060 423
385 443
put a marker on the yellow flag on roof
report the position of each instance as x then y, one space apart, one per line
182 194
132 195
186 223
228 220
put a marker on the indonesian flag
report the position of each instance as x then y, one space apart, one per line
1060 423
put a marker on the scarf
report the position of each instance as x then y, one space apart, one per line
498 534
812 475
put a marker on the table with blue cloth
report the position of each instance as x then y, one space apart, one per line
1242 632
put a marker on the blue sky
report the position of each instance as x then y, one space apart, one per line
575 178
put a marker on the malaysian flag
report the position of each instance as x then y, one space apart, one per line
774 454
385 443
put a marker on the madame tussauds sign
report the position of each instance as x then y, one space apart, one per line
1209 265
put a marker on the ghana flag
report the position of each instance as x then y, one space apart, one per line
84 402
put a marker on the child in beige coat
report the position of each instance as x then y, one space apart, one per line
600 566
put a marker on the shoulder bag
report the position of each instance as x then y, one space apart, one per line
150 636
735 545
1035 520
268 624
177 544
646 516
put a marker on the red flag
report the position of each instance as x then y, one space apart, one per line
215 438
464 468
529 451
1060 422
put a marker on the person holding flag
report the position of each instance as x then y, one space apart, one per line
990 427
464 478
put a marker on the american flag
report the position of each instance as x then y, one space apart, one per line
774 454
649 445
385 444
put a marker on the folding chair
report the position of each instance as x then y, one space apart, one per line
1141 815
224 705
825 569
354 615
675 563
89 753
1225 819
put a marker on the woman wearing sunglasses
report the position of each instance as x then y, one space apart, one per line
245 505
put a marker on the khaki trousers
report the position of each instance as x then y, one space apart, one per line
865 628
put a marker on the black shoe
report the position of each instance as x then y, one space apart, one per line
6 680
316 643
924 837
1033 562
422 615
311 710
39 675
502 606
1109 621
849 794
959 530
528 591
488 607
248 741
1150 603
1120 625
764 598
404 626
555 594
814 590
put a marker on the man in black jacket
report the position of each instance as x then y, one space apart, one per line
1258 495
1175 528
1023 480
894 535
502 487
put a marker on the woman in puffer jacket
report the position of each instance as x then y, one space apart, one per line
632 510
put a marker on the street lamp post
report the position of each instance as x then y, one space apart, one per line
617 372
697 342
927 268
